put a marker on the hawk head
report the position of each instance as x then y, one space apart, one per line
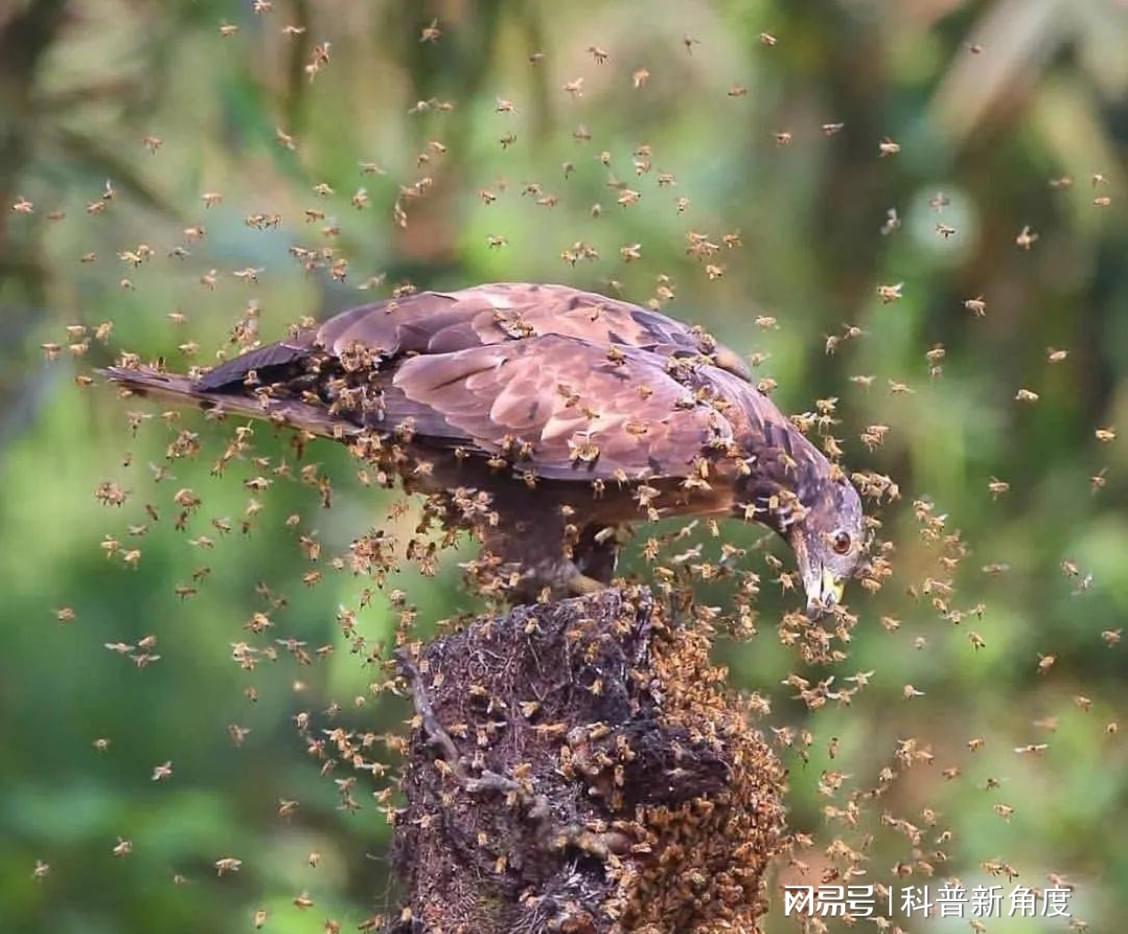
828 541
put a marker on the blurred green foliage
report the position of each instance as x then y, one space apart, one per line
988 102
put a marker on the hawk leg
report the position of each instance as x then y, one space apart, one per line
532 558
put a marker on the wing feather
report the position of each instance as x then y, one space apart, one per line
447 322
576 408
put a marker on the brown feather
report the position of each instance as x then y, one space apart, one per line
184 390
571 403
485 366
444 322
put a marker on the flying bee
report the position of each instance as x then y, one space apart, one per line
887 147
1026 238
890 293
227 864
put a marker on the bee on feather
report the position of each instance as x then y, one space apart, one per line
541 412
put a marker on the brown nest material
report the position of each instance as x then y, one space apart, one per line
581 767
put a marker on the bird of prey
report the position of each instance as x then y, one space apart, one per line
545 419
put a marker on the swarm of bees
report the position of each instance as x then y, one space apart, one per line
668 864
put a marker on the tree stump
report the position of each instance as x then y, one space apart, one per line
580 766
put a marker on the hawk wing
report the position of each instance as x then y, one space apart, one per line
561 382
443 322
560 407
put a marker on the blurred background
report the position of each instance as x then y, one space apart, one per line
161 161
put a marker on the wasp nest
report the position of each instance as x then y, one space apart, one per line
580 767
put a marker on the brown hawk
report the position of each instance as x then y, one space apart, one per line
545 418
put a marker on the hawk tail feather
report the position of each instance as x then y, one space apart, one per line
183 390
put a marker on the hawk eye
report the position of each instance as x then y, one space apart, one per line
841 542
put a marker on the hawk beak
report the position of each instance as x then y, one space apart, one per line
824 588
824 591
